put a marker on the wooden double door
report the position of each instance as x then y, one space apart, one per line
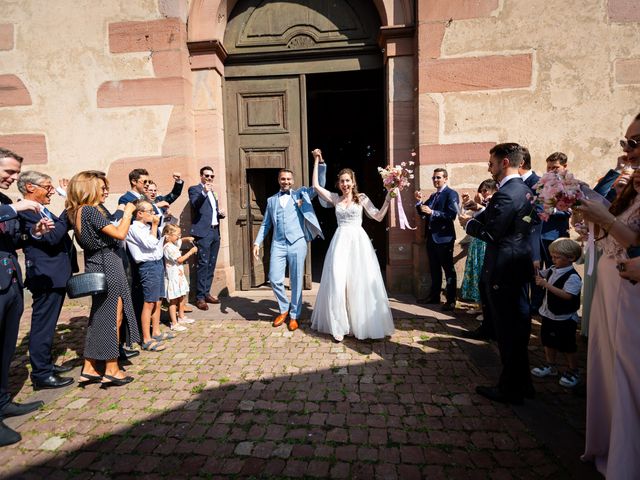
265 130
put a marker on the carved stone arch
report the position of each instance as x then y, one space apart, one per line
208 18
280 29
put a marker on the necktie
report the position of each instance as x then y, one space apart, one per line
47 213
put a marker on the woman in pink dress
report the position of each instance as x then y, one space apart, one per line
613 366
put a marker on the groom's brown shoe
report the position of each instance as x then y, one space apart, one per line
280 319
293 324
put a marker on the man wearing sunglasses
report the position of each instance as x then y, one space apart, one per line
439 211
205 228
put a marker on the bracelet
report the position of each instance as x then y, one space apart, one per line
608 226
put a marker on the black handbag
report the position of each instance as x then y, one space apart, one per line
88 283
85 284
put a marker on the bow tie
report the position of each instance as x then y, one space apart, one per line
285 192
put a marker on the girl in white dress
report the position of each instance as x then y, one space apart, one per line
352 298
175 281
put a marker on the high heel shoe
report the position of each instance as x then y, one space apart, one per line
115 381
87 379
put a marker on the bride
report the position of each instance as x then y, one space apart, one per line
352 298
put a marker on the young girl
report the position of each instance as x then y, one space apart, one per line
176 284
475 257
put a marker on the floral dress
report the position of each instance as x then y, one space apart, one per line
175 281
472 270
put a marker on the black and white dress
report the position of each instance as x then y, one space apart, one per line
100 255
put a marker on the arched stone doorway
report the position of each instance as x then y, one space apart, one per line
269 55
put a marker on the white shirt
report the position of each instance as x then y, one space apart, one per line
506 179
526 175
214 205
284 199
143 246
573 285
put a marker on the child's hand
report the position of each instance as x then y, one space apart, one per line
540 281
194 250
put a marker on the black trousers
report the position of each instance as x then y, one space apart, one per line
47 306
441 259
510 313
11 308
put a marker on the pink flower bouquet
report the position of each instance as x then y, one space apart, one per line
394 180
556 191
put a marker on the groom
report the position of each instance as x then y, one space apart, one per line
294 223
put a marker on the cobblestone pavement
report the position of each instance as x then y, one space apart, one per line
234 397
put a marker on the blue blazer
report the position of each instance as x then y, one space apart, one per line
302 201
532 180
445 210
9 240
605 184
536 228
48 259
557 226
202 211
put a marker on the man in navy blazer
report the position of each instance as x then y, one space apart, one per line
439 211
48 261
507 272
205 228
139 181
11 299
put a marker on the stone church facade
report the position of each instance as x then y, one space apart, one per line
250 86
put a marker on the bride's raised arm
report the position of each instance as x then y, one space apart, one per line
321 191
371 210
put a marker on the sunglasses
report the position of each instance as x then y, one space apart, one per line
629 144
208 176
437 178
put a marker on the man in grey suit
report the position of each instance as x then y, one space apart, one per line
290 213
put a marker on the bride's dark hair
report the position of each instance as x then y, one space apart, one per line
354 191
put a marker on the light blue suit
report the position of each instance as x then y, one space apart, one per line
294 225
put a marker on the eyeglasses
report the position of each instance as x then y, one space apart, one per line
105 189
48 188
629 144
205 175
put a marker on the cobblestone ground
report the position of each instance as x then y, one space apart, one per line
235 398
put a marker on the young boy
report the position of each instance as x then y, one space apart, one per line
562 286
146 250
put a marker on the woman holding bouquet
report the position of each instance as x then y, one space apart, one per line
352 298
613 383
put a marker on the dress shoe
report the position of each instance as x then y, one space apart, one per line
202 305
62 368
496 395
52 381
477 334
293 324
211 299
280 319
8 436
126 354
13 409
448 307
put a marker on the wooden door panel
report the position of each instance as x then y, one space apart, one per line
263 131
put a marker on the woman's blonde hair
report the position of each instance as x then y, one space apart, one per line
85 188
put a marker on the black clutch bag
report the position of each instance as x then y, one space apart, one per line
86 284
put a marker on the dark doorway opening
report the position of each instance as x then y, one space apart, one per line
346 120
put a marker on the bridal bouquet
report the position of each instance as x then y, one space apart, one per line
556 191
395 178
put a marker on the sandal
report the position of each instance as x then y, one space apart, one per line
163 336
153 346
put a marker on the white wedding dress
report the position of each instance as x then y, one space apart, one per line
352 298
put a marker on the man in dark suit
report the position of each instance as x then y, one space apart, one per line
439 211
205 228
507 271
48 268
140 181
11 299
